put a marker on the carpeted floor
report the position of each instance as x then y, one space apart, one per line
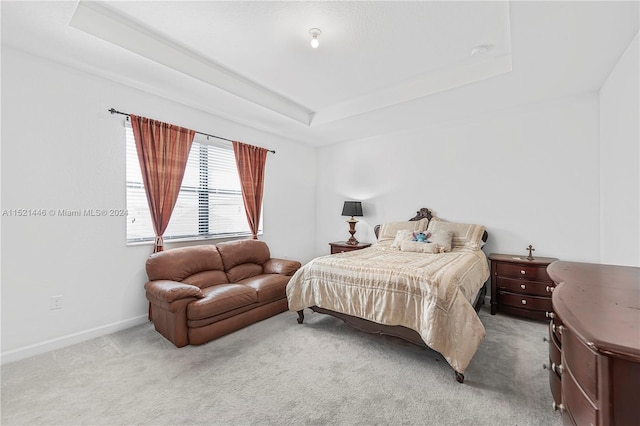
278 372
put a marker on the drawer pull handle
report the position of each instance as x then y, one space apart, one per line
556 368
557 407
550 314
550 289
523 272
522 286
524 302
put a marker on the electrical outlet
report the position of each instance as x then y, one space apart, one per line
55 302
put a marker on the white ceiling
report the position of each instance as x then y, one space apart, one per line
381 67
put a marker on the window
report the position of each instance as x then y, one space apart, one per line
210 201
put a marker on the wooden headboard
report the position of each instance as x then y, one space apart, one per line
425 213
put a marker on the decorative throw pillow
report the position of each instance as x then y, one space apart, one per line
402 235
416 247
463 235
389 230
442 238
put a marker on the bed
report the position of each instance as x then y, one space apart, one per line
427 293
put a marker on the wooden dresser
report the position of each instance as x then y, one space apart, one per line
594 343
520 286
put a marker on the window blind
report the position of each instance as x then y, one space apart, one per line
210 201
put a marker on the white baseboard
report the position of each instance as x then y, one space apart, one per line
71 339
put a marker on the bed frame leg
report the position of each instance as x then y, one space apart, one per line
459 377
300 316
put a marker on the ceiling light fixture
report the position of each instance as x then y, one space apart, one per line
315 33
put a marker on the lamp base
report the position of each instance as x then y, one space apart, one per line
352 230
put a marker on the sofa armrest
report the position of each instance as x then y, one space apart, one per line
281 266
170 291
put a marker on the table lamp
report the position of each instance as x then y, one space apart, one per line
352 208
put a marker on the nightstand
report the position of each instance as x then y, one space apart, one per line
521 287
342 246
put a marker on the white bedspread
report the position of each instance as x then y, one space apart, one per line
429 293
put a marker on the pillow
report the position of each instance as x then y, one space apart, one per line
389 230
463 235
416 247
442 238
402 235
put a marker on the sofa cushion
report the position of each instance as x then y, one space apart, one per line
243 271
221 298
238 253
180 263
169 291
211 320
268 287
281 266
207 279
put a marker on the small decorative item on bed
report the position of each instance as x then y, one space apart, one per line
430 288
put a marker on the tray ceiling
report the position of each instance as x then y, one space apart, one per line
409 62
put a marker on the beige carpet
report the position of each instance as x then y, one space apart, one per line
278 372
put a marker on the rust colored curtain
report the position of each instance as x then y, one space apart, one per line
163 150
250 161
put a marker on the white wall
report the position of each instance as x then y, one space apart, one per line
61 149
620 161
530 175
537 174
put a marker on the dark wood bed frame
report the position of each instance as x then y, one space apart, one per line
395 330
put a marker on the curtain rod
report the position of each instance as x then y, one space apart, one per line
114 111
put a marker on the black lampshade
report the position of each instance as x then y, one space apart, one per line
352 208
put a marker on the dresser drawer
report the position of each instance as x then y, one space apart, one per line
557 328
518 270
556 387
554 347
535 303
535 288
580 408
582 362
335 250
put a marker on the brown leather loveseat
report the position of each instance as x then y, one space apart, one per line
200 293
